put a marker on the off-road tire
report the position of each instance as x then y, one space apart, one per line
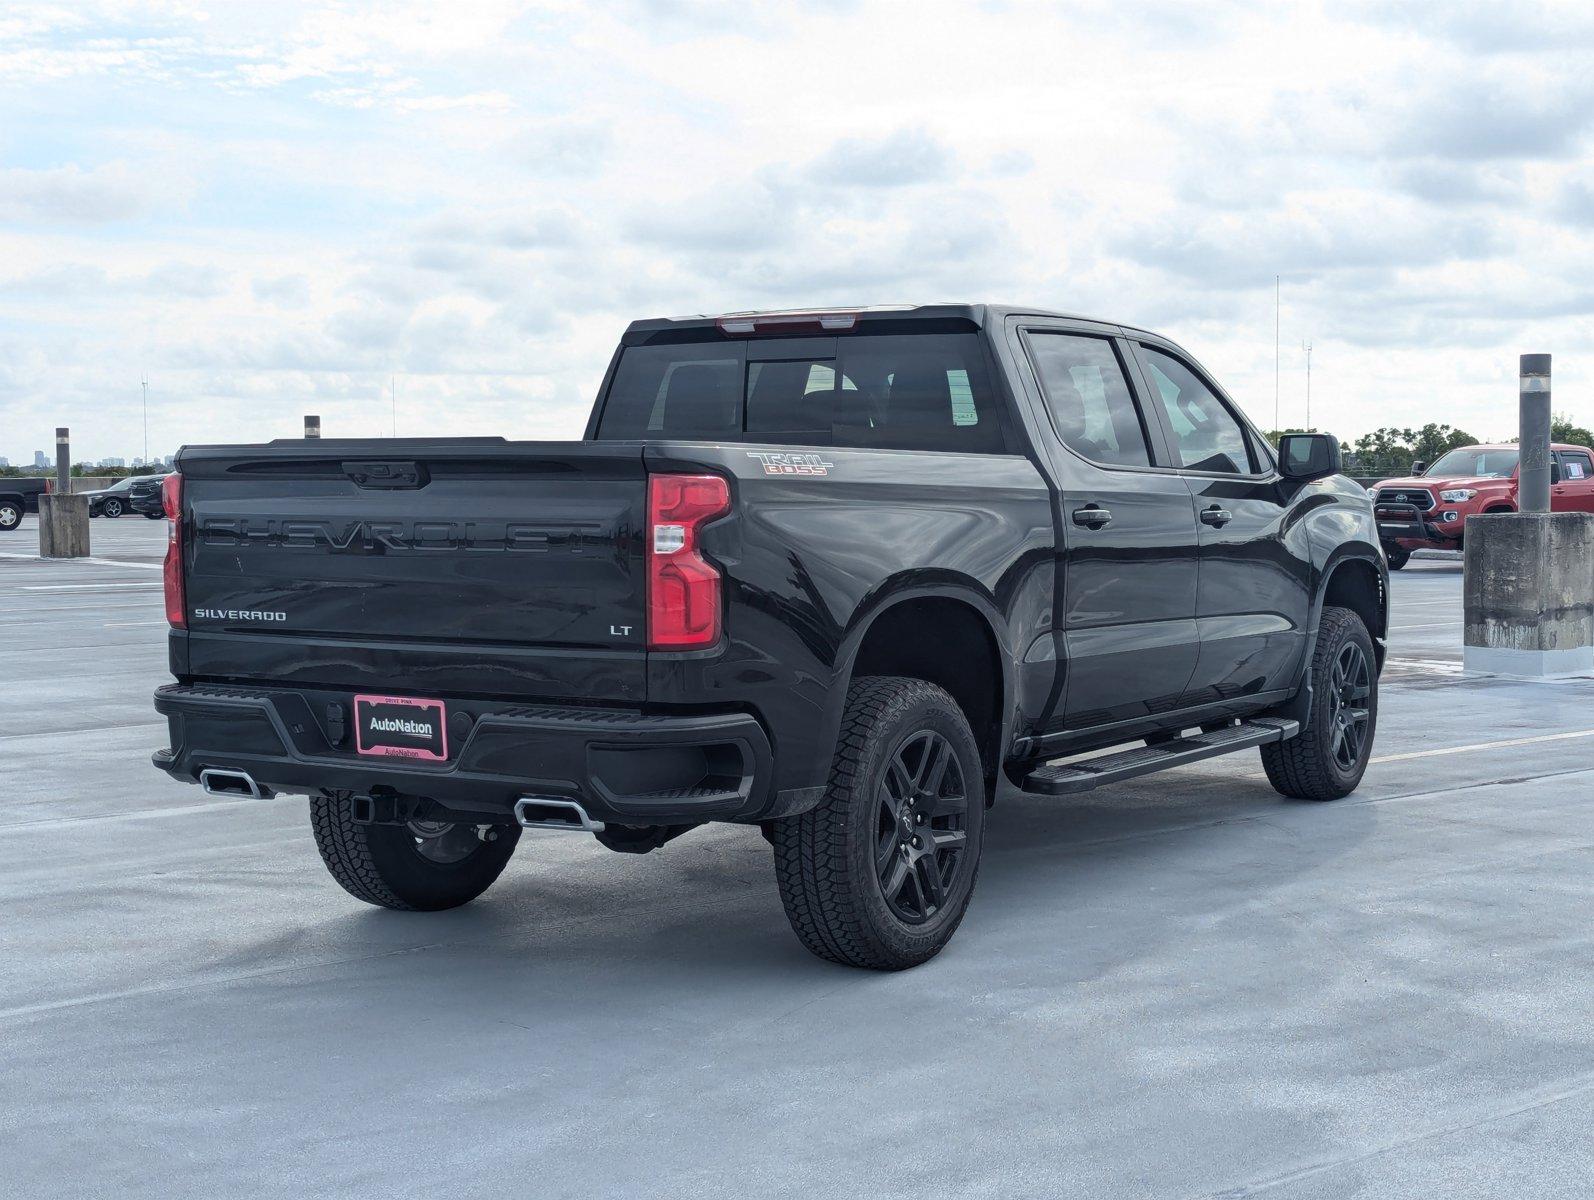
825 859
10 515
380 864
1304 767
1396 556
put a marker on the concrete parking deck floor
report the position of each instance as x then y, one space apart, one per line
1187 987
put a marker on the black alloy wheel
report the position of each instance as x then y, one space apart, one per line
1327 758
879 873
919 827
1350 683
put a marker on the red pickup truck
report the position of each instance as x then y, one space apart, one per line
1429 511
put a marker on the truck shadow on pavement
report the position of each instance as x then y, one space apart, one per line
708 902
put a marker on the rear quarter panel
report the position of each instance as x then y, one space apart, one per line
811 559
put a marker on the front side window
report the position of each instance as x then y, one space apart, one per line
916 391
1206 435
1089 398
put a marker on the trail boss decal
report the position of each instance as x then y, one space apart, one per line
781 463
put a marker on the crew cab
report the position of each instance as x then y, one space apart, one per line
1429 509
851 576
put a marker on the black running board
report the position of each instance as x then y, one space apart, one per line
1067 778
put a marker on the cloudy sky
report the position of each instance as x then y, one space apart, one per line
272 209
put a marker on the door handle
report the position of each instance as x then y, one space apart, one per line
1092 516
1216 516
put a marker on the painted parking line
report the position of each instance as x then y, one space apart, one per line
98 562
81 587
1475 747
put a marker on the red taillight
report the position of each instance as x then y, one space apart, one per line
172 571
683 587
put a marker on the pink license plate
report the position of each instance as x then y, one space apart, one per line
401 727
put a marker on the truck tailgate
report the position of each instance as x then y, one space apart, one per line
435 566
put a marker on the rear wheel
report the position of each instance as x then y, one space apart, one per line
1327 759
10 515
880 873
423 865
1398 556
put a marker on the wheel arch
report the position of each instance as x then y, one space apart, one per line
941 631
1357 580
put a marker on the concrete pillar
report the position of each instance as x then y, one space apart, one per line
64 525
1528 594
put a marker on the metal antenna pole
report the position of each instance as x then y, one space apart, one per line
392 395
143 382
1307 346
1276 295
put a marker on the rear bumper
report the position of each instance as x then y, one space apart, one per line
624 766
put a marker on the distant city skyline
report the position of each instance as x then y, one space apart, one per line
43 462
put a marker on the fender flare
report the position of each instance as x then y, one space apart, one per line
921 585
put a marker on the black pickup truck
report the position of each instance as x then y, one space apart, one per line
19 496
851 576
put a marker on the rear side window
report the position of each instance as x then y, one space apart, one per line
1576 466
1089 398
1206 435
927 391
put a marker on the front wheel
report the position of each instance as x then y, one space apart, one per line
1327 759
10 515
880 873
420 866
112 508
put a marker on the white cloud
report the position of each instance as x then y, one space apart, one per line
271 207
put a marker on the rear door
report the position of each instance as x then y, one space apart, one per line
1253 590
431 566
1128 585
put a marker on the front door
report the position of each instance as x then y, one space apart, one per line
1253 584
1128 640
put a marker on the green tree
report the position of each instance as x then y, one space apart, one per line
1433 441
1391 450
1562 430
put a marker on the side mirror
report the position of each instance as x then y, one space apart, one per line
1418 466
1308 455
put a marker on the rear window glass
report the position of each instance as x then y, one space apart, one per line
925 391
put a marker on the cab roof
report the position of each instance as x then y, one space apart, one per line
834 319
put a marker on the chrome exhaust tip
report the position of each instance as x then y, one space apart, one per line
541 812
224 781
